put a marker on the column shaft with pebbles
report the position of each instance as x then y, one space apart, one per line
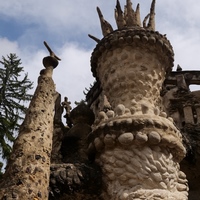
137 145
28 171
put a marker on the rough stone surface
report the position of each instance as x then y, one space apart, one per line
27 174
134 172
133 145
183 106
137 146
75 181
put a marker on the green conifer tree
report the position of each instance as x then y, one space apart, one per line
14 87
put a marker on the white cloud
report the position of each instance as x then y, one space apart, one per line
54 15
73 75
8 47
65 25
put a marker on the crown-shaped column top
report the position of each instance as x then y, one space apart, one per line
129 18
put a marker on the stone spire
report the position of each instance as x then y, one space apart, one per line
28 169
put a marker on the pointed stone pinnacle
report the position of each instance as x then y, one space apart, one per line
145 21
94 38
130 17
105 26
138 19
151 24
119 16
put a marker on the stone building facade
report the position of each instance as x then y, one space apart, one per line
136 137
144 137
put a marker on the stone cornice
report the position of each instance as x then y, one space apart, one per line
135 37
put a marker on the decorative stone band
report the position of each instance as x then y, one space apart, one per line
139 155
134 37
140 130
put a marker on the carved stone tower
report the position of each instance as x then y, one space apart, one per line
138 147
28 170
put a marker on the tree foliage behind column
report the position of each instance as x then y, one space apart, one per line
14 87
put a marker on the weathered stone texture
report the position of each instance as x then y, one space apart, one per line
133 143
136 134
74 176
183 106
28 170
136 144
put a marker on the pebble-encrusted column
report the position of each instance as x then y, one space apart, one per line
28 171
137 145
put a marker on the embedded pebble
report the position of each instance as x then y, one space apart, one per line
111 176
136 38
141 137
154 137
163 185
131 169
120 163
108 140
124 195
98 144
136 162
120 109
133 102
152 39
129 121
131 175
102 116
163 114
110 114
145 38
122 177
126 138
133 110
157 177
127 111
121 156
171 119
145 108
110 123
119 171
182 175
156 111
181 187
108 168
160 167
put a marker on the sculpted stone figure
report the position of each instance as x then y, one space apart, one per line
67 106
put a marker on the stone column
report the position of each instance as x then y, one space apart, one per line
28 169
137 145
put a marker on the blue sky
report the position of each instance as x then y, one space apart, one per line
64 24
